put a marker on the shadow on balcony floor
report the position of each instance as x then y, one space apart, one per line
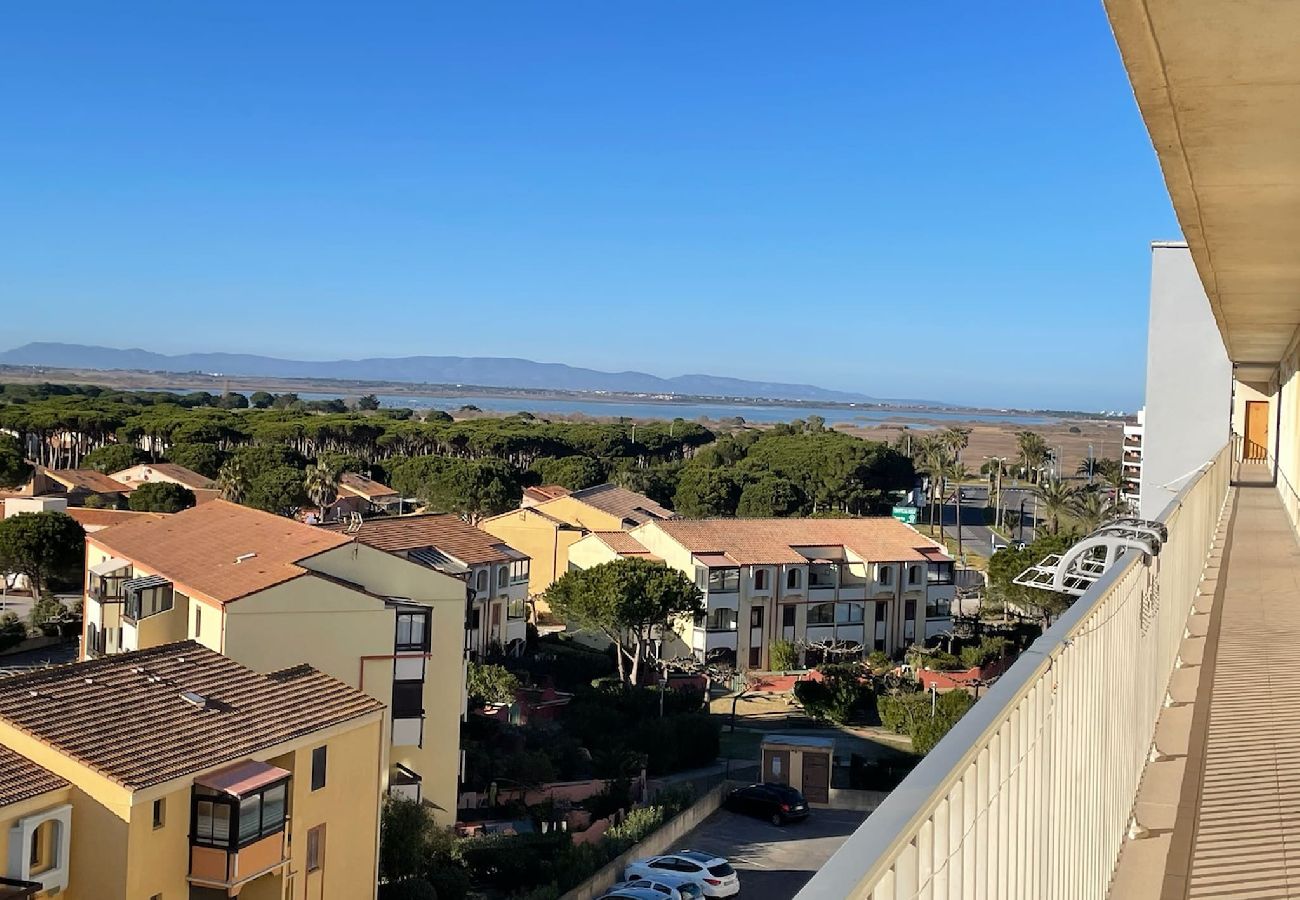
1234 790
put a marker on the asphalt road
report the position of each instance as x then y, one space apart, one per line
774 862
979 537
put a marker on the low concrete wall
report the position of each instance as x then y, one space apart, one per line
658 842
844 798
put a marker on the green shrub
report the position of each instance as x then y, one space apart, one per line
639 823
949 708
841 696
783 656
449 879
879 661
410 889
487 683
988 650
12 631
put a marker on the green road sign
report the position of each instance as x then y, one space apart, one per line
905 514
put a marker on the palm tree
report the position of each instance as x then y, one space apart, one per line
1033 450
232 481
957 473
1093 509
322 484
1057 498
933 459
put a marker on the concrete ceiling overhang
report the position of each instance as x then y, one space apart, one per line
1218 84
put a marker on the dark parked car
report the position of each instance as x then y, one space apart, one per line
775 802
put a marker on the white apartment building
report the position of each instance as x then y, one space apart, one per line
853 584
1130 491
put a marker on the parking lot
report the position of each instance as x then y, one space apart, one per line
774 862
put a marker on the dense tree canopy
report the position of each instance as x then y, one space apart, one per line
474 467
14 469
114 457
627 600
41 546
161 496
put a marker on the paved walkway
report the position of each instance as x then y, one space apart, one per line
1246 838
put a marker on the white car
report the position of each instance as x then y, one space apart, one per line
623 892
668 885
713 874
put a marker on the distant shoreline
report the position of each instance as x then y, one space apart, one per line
125 379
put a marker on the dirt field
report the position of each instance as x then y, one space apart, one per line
998 439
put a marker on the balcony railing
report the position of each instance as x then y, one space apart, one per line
1030 794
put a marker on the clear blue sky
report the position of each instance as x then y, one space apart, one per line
944 200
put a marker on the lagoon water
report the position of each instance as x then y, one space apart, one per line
692 411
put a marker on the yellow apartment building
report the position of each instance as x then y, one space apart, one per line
175 773
495 574
855 585
269 592
545 529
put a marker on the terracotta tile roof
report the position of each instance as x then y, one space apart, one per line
124 715
773 541
543 492
364 487
622 543
88 480
198 547
446 532
171 472
21 779
95 519
625 504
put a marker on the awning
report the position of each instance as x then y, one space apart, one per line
109 566
934 554
716 561
242 778
134 585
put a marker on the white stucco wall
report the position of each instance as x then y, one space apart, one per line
1189 380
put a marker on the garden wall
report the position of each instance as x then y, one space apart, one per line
658 842
946 681
573 791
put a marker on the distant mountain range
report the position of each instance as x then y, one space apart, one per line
485 371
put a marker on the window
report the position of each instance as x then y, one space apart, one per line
222 821
756 617
880 612
909 611
794 579
41 857
318 760
885 575
315 848
159 813
938 609
755 657
503 576
724 581
107 587
517 608
475 618
822 575
408 702
880 644
198 620
939 573
821 614
849 613
143 602
519 571
481 581
787 616
760 579
721 620
412 630
913 574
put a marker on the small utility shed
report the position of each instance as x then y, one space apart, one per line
804 763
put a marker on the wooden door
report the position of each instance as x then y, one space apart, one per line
776 766
817 777
1256 429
